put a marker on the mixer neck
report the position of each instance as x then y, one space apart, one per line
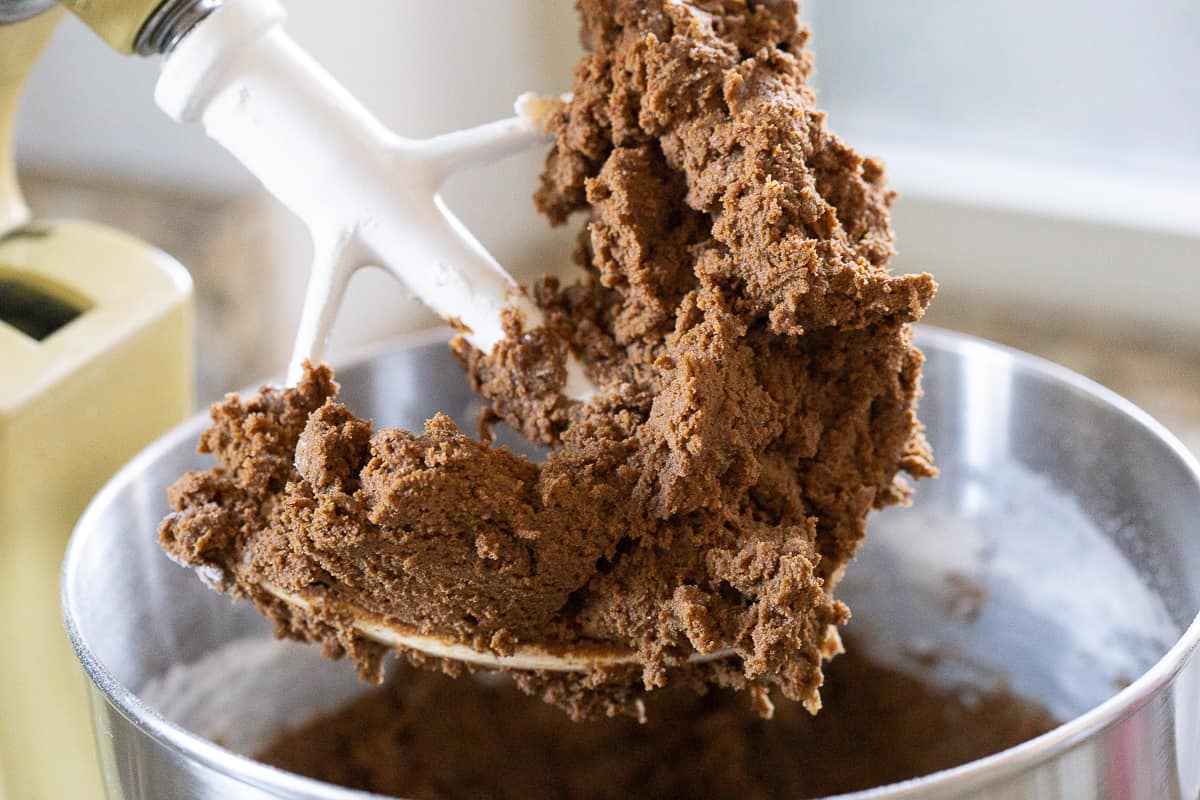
20 45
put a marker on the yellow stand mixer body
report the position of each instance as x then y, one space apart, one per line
95 361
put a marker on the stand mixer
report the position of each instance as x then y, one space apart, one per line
368 196
96 358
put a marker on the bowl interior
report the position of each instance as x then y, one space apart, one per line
1055 555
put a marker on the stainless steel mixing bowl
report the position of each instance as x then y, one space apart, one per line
1058 554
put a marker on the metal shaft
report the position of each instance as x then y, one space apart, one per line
169 23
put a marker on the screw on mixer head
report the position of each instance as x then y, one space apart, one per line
169 23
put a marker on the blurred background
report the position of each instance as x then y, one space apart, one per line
1047 156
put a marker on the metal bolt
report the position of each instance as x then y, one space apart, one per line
170 22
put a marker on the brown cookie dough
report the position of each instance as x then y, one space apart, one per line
427 737
756 388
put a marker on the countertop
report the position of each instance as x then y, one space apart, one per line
228 252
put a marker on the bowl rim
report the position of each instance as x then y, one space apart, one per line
972 776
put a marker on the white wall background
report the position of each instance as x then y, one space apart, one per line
1105 84
1043 150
